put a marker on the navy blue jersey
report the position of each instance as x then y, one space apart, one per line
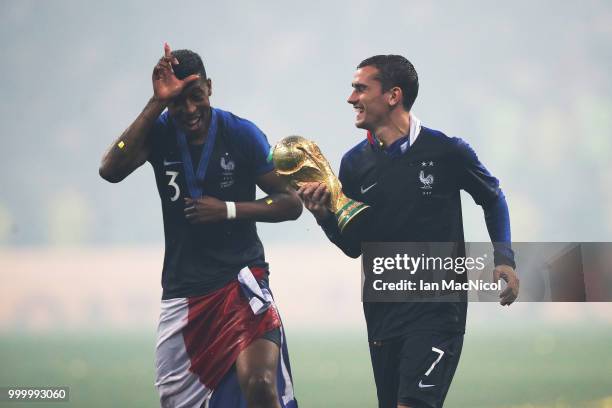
415 197
201 258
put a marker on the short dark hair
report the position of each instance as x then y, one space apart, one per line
189 63
395 70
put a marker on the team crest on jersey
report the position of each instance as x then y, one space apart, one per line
227 171
427 180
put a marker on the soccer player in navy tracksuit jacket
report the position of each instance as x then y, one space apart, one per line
411 176
216 347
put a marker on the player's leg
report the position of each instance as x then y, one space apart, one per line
427 366
457 346
256 368
385 361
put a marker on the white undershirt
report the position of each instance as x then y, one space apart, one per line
415 129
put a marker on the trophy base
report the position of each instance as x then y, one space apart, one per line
349 213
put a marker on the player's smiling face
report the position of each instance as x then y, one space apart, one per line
190 110
368 99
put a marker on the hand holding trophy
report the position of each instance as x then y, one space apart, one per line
300 160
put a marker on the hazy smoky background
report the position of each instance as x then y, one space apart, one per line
526 84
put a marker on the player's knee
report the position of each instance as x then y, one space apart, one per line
261 388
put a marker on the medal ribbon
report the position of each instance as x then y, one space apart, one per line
196 181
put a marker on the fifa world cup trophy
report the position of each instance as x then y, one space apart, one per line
300 161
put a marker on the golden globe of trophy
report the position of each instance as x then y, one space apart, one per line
300 160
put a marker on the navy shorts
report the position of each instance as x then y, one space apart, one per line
415 370
273 335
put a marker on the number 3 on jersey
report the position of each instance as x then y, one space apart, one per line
172 183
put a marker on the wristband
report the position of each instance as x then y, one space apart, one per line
231 210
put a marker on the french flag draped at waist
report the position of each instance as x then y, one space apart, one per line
204 335
223 323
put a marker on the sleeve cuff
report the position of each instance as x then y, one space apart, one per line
503 255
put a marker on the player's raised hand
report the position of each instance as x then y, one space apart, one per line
204 210
166 85
315 197
508 274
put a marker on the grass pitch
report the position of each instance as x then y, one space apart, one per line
528 368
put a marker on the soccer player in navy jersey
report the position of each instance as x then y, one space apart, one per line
411 176
220 339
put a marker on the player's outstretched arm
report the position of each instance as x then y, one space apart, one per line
132 148
315 197
281 204
484 188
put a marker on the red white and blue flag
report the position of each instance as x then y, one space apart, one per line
200 338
